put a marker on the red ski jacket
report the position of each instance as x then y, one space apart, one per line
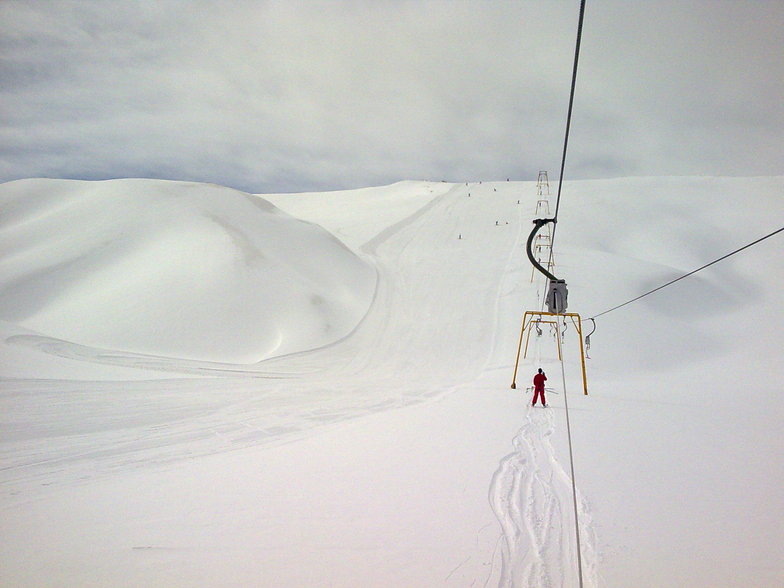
539 380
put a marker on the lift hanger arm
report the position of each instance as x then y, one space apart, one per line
539 223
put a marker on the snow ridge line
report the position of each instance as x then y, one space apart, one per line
77 351
530 494
373 244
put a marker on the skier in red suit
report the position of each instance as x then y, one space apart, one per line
539 380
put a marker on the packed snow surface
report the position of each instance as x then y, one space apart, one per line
200 390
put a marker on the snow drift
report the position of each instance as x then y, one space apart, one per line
400 456
174 269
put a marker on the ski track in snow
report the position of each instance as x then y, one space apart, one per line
531 496
530 493
280 399
410 348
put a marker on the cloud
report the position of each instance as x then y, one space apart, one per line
686 88
277 96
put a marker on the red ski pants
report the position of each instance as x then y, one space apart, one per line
539 393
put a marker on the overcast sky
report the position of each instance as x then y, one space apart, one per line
302 95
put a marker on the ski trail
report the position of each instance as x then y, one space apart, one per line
530 494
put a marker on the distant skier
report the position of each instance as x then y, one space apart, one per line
539 380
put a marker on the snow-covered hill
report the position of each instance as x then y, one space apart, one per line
390 451
173 269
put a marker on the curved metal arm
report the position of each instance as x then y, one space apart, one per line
539 222
588 336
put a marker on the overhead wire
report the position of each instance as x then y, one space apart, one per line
691 273
550 261
571 467
568 122
566 135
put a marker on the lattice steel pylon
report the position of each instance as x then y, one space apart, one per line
542 184
542 207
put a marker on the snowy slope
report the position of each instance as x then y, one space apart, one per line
173 269
399 455
358 216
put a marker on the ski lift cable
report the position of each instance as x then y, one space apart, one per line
558 287
571 471
691 273
568 123
554 220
